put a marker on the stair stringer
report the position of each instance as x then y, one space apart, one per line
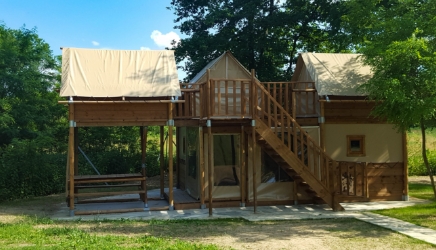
297 165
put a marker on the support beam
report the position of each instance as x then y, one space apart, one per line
209 164
202 175
405 166
143 134
243 167
253 160
170 157
71 152
162 162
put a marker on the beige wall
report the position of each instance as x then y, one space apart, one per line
382 142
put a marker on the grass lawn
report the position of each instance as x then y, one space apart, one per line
423 214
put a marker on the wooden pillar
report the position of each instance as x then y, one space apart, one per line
76 154
170 157
253 160
178 157
209 165
202 175
162 162
253 103
406 169
322 127
72 157
143 133
243 165
209 144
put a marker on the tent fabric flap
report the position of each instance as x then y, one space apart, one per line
114 73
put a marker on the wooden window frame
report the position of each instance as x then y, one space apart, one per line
361 139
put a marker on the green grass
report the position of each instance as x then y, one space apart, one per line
422 214
47 234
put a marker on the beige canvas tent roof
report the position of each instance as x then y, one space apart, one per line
114 73
333 74
225 66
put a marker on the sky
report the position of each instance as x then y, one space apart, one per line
98 24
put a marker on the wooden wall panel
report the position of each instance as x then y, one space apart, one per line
112 113
385 181
349 112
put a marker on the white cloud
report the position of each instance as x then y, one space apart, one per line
145 48
164 40
95 43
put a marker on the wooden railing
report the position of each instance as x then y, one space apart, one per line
299 99
315 160
352 178
230 98
195 100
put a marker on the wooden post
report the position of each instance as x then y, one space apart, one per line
322 127
406 171
253 135
243 165
202 176
143 133
209 144
71 150
170 156
209 165
253 160
294 105
162 162
76 154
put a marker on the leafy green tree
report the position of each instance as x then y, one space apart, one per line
400 46
265 35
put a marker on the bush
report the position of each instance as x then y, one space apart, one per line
29 169
416 164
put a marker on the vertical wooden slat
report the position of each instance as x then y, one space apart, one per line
269 113
282 118
208 100
71 159
281 94
170 157
243 109
194 107
234 98
213 85
218 87
226 86
162 161
302 144
287 106
294 106
322 127
76 154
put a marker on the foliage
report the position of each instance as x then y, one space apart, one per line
414 147
400 47
264 35
33 131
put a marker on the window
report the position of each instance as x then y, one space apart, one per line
356 145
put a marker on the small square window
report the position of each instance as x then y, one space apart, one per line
355 145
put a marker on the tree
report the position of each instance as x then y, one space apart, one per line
400 47
265 35
28 78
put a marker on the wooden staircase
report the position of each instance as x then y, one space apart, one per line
292 148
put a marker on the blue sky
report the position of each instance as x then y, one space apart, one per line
102 24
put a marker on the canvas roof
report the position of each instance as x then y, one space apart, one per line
114 73
333 74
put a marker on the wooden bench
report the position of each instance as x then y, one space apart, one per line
80 182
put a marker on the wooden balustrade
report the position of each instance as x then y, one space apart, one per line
271 112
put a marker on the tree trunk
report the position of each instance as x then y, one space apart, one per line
424 156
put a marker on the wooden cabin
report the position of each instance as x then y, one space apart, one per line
242 142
